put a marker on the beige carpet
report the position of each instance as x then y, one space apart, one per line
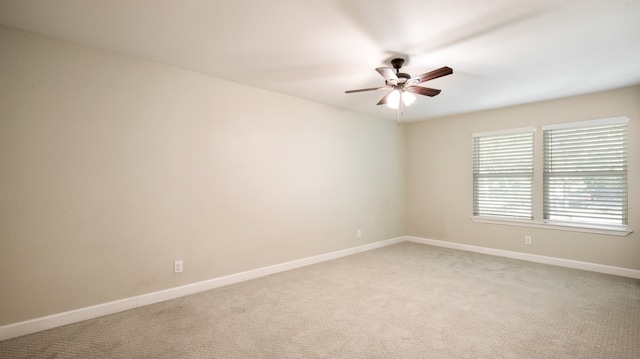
404 301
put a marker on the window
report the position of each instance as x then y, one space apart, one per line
503 174
585 172
579 180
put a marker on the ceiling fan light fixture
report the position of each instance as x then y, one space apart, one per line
408 98
393 101
403 86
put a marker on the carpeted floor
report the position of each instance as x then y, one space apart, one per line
403 301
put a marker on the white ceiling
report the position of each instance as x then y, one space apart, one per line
503 52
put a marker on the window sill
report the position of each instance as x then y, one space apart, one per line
555 226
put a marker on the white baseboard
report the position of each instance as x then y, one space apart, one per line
623 272
78 315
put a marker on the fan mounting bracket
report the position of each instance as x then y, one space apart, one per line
397 63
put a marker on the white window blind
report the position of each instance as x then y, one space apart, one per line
585 172
503 174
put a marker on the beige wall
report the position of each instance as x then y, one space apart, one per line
113 167
439 180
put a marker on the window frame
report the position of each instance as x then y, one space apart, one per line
577 170
504 174
538 220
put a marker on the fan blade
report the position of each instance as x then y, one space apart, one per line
422 91
388 74
369 89
444 71
383 100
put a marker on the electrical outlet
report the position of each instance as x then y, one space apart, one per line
359 233
177 266
527 239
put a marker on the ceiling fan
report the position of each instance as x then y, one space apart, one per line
403 85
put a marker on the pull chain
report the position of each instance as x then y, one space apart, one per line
400 108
